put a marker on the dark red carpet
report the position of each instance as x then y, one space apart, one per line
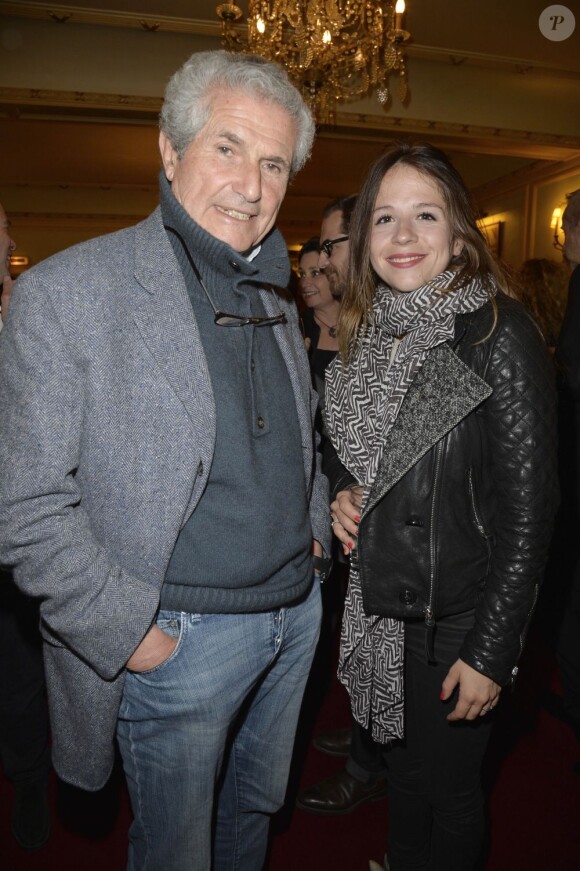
534 803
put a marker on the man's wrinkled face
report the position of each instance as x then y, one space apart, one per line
233 176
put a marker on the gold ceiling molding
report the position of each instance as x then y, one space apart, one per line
47 99
536 174
109 18
73 220
63 15
520 66
37 103
487 140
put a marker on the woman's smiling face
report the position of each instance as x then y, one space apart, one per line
411 238
314 285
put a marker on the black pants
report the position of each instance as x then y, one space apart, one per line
366 758
436 806
24 746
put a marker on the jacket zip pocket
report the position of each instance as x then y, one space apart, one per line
478 519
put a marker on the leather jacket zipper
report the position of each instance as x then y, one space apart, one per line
428 612
478 521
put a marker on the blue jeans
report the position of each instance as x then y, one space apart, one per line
207 736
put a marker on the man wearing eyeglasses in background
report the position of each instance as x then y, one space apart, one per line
159 488
334 247
363 778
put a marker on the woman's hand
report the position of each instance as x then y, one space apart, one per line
478 694
345 512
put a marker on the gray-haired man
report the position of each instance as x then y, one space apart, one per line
158 479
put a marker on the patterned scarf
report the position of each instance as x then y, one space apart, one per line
363 400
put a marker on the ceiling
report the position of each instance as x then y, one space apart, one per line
82 84
495 28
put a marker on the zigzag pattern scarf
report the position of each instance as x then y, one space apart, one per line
362 403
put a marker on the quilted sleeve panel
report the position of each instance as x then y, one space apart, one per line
519 420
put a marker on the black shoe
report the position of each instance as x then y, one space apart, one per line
335 743
30 814
339 794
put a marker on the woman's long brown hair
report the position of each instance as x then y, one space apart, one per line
475 258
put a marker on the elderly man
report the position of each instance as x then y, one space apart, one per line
158 479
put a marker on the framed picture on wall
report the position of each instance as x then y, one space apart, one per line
493 234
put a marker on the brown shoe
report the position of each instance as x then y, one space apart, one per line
335 743
339 794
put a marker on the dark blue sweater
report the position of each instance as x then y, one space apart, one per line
247 546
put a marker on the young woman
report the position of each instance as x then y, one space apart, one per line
440 409
321 308
320 317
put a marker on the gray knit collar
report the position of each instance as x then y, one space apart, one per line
270 266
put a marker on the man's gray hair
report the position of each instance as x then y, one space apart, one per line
188 97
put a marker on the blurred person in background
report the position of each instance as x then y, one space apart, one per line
568 359
24 734
320 314
541 287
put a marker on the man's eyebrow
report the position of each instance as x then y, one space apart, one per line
238 140
231 137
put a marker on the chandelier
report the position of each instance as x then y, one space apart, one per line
333 50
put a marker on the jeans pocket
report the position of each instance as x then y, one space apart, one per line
172 623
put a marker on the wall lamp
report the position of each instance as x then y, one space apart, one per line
556 226
18 263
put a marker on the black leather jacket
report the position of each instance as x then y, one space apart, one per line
461 513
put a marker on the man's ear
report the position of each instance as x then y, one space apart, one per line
168 155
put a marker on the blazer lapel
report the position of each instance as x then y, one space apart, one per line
444 391
298 373
164 317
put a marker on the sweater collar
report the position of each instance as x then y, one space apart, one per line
270 263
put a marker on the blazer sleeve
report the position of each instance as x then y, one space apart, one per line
519 425
87 603
319 501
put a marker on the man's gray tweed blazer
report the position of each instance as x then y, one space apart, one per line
107 429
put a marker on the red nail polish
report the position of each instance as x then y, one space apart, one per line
357 518
442 696
350 545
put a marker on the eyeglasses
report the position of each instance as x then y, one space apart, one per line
223 319
330 243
